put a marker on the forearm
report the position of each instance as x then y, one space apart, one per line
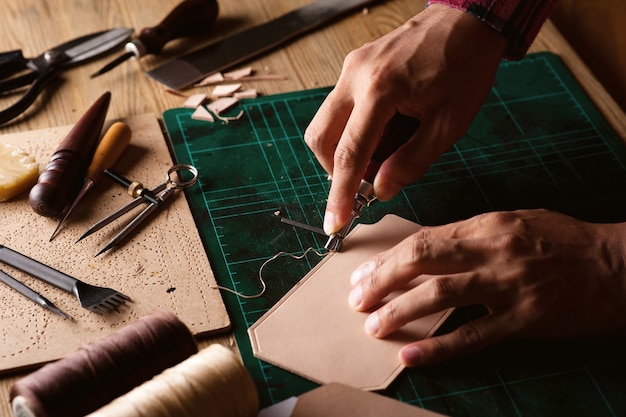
518 20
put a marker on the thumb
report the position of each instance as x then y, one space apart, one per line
409 163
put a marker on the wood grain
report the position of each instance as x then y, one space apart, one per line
311 61
596 31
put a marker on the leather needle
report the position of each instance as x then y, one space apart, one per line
108 151
304 226
32 294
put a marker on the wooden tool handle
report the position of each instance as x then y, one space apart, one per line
63 177
109 150
397 132
190 17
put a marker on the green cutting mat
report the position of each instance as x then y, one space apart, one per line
537 142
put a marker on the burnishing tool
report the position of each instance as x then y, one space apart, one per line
189 18
64 175
397 132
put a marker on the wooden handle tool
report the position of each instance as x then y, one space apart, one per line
63 177
109 150
189 18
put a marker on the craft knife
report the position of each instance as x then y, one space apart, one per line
248 43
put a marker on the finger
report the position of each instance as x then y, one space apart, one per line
325 129
483 226
466 339
352 154
409 163
430 295
416 255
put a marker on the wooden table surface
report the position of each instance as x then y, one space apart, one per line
311 61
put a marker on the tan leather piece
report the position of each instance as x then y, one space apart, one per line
164 266
313 332
338 400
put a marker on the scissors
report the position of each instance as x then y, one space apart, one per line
178 177
17 71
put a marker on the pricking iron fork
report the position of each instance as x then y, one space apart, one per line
96 299
154 198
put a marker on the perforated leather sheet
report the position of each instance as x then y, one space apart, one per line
163 265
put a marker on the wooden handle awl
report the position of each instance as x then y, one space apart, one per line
63 177
109 150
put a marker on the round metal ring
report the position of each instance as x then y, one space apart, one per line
179 168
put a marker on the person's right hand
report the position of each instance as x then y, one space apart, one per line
438 68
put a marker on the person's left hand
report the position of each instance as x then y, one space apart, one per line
540 274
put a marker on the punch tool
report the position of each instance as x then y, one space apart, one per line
178 177
99 300
35 73
397 132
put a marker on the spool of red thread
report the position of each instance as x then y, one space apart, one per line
102 370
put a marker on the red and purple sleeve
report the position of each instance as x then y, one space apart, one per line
518 20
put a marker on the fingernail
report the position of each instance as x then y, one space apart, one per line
356 297
361 272
411 355
329 223
372 325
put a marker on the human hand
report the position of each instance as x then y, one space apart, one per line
438 68
540 274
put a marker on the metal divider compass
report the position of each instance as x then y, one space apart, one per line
177 178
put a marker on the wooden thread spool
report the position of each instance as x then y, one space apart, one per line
212 382
100 371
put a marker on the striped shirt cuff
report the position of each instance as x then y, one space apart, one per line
518 20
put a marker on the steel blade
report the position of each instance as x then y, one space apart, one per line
248 43
97 45
81 49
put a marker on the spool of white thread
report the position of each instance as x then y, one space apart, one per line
212 382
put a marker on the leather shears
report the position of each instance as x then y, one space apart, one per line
16 71
179 176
